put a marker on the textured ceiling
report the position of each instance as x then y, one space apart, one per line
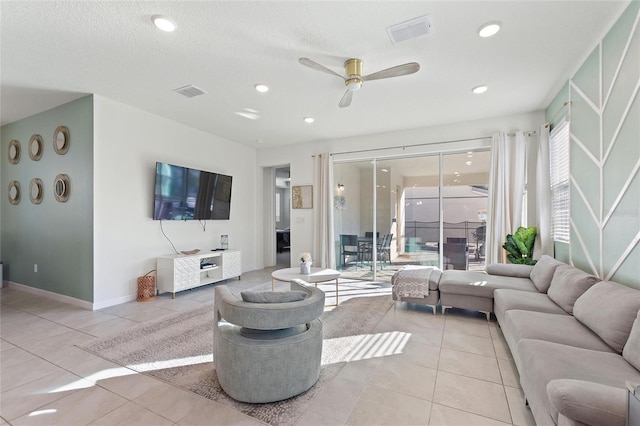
53 52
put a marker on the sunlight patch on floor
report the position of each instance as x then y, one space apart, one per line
365 346
173 363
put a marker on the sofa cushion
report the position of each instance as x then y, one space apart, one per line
542 272
569 283
565 329
506 300
474 283
509 270
547 361
609 309
273 296
631 351
587 402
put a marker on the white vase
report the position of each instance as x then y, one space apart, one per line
305 268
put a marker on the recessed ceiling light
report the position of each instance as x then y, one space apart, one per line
384 170
262 88
163 23
489 29
456 173
468 163
479 89
309 120
254 111
259 141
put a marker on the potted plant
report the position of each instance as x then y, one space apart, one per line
305 263
519 246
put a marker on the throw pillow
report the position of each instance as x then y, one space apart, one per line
631 351
569 283
542 272
273 296
609 310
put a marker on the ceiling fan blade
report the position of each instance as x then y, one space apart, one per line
318 67
397 71
346 99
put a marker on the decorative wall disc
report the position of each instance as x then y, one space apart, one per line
36 147
36 191
62 188
14 192
61 140
14 152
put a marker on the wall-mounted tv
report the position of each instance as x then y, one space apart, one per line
186 194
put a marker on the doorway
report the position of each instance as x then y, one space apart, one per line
282 226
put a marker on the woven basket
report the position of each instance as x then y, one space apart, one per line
146 287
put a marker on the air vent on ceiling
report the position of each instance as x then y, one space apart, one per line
410 29
189 91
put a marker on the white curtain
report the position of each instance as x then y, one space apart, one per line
323 246
506 188
544 240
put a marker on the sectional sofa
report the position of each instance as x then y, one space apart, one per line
574 338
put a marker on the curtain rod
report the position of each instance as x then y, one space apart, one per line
565 104
527 133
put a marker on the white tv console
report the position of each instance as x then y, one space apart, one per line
179 272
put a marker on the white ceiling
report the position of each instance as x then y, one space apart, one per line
53 52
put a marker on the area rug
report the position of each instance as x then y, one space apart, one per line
178 350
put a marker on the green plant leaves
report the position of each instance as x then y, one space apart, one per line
519 246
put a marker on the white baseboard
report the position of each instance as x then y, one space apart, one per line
51 295
113 302
71 300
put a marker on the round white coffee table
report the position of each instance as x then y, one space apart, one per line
317 275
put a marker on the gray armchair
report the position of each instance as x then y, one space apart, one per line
266 352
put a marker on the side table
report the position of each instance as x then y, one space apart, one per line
317 275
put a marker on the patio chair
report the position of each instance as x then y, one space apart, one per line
348 247
384 250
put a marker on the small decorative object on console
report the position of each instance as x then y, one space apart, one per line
224 242
305 263
194 251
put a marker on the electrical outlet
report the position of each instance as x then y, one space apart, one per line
35 268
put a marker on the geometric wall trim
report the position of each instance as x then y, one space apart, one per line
605 156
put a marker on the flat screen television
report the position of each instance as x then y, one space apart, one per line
187 194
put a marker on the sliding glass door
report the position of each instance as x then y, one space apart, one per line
464 205
427 210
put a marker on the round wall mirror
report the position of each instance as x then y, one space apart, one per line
35 191
35 147
14 192
61 140
14 152
62 187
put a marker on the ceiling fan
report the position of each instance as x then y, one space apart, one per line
354 78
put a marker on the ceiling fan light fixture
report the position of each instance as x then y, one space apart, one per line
163 23
354 84
489 29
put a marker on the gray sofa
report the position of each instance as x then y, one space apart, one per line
474 290
575 344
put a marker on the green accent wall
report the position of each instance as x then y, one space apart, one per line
58 237
605 155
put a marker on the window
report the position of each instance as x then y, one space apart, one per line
559 169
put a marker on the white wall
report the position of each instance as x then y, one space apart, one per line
299 156
127 144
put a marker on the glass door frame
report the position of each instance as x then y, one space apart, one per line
440 149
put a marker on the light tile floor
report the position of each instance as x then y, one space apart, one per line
449 370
